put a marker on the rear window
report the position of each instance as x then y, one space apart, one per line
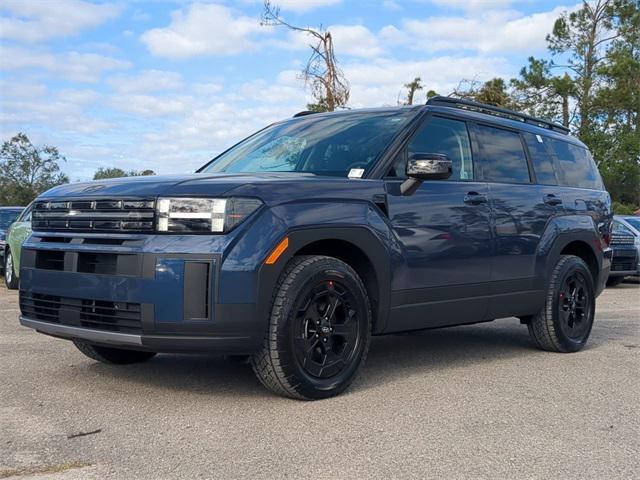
575 166
503 158
541 159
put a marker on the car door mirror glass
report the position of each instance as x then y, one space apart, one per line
429 166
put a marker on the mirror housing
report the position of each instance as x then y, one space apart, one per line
425 166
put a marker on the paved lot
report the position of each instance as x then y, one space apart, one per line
468 402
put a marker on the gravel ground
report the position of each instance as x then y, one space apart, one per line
466 402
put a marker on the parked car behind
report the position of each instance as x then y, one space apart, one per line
17 234
625 242
303 240
8 215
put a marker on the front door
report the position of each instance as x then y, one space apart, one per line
444 234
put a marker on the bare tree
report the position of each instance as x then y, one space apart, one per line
329 86
412 87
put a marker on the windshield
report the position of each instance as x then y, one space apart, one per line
634 222
7 217
329 145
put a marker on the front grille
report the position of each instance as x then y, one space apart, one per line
94 216
624 264
622 239
95 314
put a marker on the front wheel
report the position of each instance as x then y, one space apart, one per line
564 323
319 330
10 278
117 356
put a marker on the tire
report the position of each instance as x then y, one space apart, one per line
10 278
614 281
565 322
319 330
114 356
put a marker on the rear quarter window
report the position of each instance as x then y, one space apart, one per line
575 166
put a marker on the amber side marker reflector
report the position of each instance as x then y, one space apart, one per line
279 250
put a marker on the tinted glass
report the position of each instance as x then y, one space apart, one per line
7 217
503 157
634 222
575 167
450 137
324 145
620 228
541 159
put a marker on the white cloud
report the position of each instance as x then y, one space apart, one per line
36 21
379 82
151 106
473 5
203 29
490 31
208 88
304 5
80 67
146 81
353 40
65 110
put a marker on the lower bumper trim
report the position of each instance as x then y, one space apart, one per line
156 343
67 331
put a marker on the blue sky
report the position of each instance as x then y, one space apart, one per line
166 85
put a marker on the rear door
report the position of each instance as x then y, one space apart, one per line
520 209
443 232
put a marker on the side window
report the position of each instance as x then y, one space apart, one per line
450 137
25 216
541 158
575 166
503 158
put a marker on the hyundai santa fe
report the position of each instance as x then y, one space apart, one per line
297 245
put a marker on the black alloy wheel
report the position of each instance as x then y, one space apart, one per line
326 333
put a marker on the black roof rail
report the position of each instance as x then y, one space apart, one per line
496 111
304 113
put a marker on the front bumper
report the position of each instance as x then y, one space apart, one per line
131 293
155 343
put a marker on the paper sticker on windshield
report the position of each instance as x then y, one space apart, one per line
539 138
356 172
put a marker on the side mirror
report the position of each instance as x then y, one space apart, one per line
429 166
425 166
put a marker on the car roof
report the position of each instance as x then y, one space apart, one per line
477 116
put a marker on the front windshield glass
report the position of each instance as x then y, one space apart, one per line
634 222
329 145
7 217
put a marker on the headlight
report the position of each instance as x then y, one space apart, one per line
203 215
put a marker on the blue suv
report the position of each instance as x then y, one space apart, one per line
297 245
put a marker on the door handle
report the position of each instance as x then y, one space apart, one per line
475 198
552 200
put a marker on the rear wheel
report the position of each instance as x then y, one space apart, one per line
319 331
565 322
117 356
10 278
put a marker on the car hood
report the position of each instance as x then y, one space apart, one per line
271 187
